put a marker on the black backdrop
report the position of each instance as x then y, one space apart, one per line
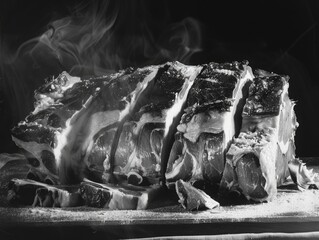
279 36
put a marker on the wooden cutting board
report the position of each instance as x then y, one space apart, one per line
291 211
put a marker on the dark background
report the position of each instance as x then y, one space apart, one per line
278 36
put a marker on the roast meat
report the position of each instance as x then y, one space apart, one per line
166 125
257 161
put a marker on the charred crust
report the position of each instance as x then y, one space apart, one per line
265 95
204 91
167 84
34 133
213 88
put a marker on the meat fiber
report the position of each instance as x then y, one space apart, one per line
210 120
257 161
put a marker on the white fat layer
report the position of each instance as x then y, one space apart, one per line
43 103
224 71
196 171
229 122
202 122
138 91
148 118
63 138
177 168
284 146
190 73
71 81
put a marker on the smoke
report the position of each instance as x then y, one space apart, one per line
96 38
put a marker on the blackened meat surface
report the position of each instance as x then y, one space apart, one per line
213 89
264 98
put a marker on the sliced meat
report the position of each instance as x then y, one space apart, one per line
209 123
108 109
147 135
257 161
301 175
56 102
192 198
118 197
30 192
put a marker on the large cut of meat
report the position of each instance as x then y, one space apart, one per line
257 160
210 120
172 124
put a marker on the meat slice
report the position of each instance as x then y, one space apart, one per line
192 198
209 122
257 161
56 102
118 197
100 121
301 175
30 192
147 134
